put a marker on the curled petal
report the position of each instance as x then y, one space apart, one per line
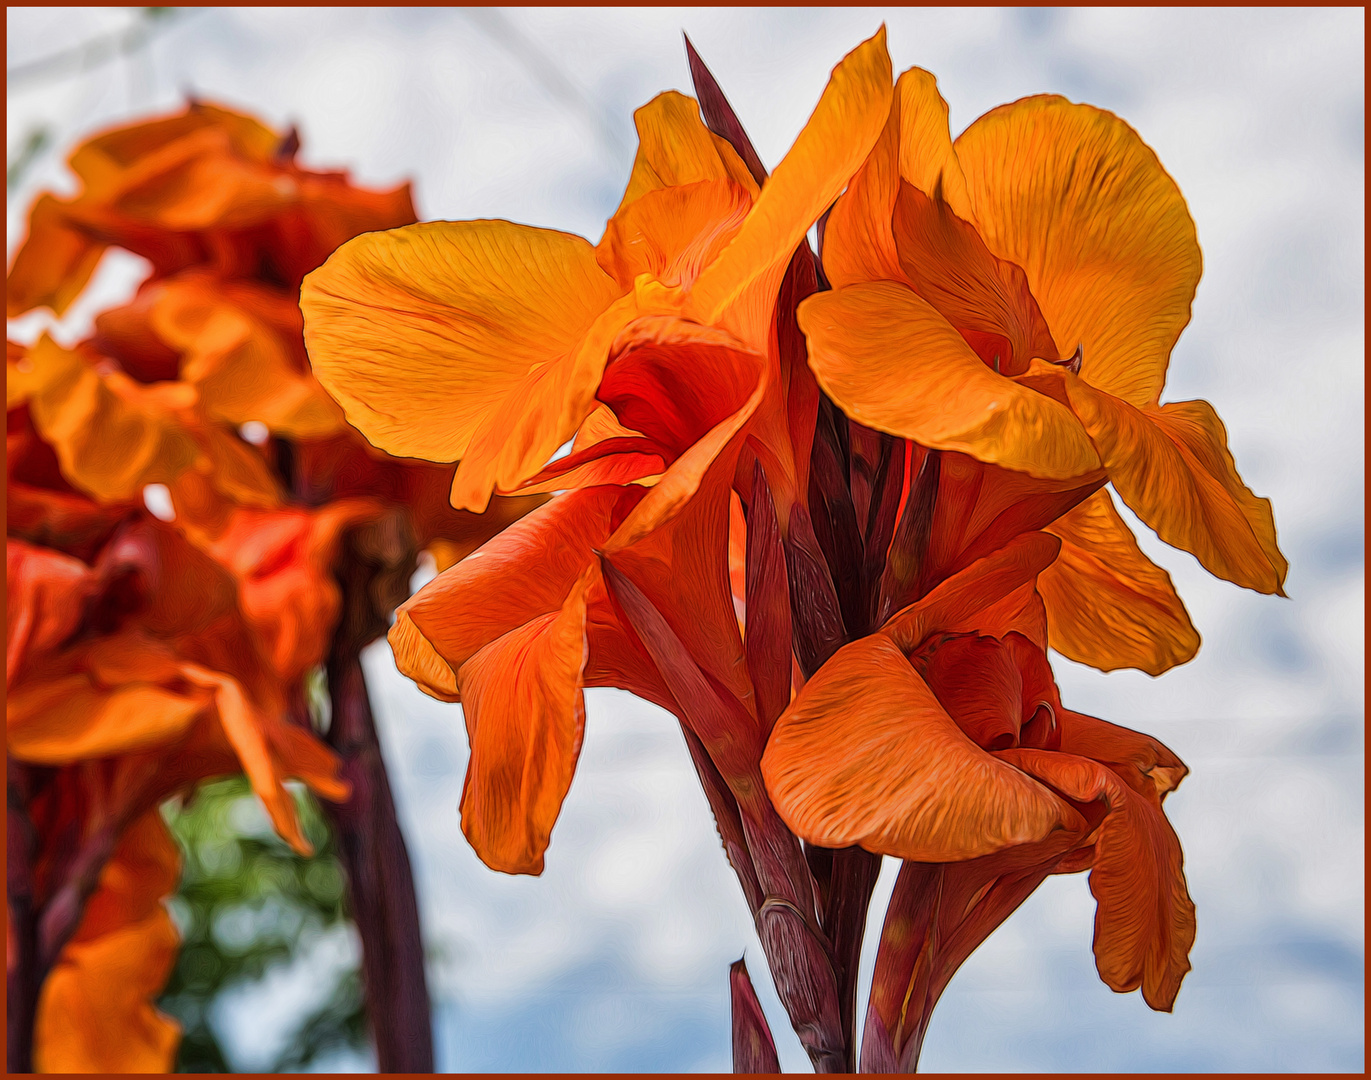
866 755
472 604
672 232
1171 465
1074 196
54 263
1144 918
892 362
972 600
525 716
1108 605
1131 754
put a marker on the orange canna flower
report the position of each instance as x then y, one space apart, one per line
941 739
659 352
492 343
1014 297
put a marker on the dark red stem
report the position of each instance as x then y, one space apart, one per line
373 852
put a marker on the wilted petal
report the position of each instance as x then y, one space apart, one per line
1108 604
525 716
1171 465
1074 196
866 755
892 362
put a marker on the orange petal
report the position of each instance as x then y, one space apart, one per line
1074 196
245 727
45 595
426 334
55 721
95 1011
675 148
977 599
113 436
1122 749
241 368
1108 604
672 232
927 157
53 264
465 608
525 715
866 755
738 290
947 263
858 244
1144 919
892 362
1171 465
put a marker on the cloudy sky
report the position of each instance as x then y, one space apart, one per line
616 958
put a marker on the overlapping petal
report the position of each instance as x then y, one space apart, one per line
898 775
892 362
1144 919
1172 467
453 337
1073 195
1108 605
525 714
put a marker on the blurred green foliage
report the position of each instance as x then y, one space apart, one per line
247 904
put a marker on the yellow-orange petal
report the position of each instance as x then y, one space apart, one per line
672 232
55 721
1108 605
858 244
53 264
1144 918
523 573
1074 196
928 159
112 436
738 290
240 367
1172 467
866 755
425 334
96 1011
675 148
892 362
525 716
